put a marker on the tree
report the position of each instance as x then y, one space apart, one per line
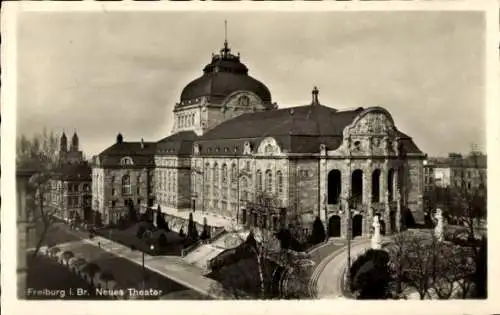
260 268
205 234
372 279
465 204
132 213
192 230
140 231
434 269
181 232
318 232
162 240
38 154
160 220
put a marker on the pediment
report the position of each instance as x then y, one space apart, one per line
269 146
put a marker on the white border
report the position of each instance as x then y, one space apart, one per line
12 306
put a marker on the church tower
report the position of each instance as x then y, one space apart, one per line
74 143
63 148
63 143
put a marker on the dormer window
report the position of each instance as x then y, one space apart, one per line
126 161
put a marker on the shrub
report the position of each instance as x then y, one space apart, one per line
192 231
318 233
378 257
140 231
205 235
372 280
181 233
162 240
160 221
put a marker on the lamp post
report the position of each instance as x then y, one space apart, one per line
349 232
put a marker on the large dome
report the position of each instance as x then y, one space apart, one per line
222 77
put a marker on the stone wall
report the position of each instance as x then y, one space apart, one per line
415 189
308 188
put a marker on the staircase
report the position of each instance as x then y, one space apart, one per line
202 255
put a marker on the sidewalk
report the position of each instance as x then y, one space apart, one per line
328 277
199 216
171 267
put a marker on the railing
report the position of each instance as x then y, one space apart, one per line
190 248
218 232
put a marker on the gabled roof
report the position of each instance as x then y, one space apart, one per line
309 120
129 149
180 143
299 129
142 154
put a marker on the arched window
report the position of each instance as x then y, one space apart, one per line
126 161
376 186
244 189
126 189
269 181
390 184
258 184
234 173
279 180
334 186
224 173
215 173
138 184
269 148
207 172
357 186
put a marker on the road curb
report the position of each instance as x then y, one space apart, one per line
322 265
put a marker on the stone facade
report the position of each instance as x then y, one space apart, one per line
311 160
69 193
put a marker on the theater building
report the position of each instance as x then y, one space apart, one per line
231 144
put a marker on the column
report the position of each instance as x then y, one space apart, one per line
395 182
323 188
398 211
384 173
367 196
345 212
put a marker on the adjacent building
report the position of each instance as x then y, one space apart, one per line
70 191
467 172
231 144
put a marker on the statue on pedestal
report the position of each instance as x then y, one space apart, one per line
376 238
439 229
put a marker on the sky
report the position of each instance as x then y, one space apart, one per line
101 73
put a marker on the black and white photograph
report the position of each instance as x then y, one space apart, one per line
196 154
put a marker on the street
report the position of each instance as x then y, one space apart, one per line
128 274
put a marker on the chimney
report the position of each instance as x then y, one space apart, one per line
119 138
142 143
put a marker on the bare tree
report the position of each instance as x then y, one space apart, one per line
38 154
434 269
261 265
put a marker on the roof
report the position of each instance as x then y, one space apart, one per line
130 149
141 152
298 130
77 172
224 75
458 161
180 143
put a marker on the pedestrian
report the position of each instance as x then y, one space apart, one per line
99 243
